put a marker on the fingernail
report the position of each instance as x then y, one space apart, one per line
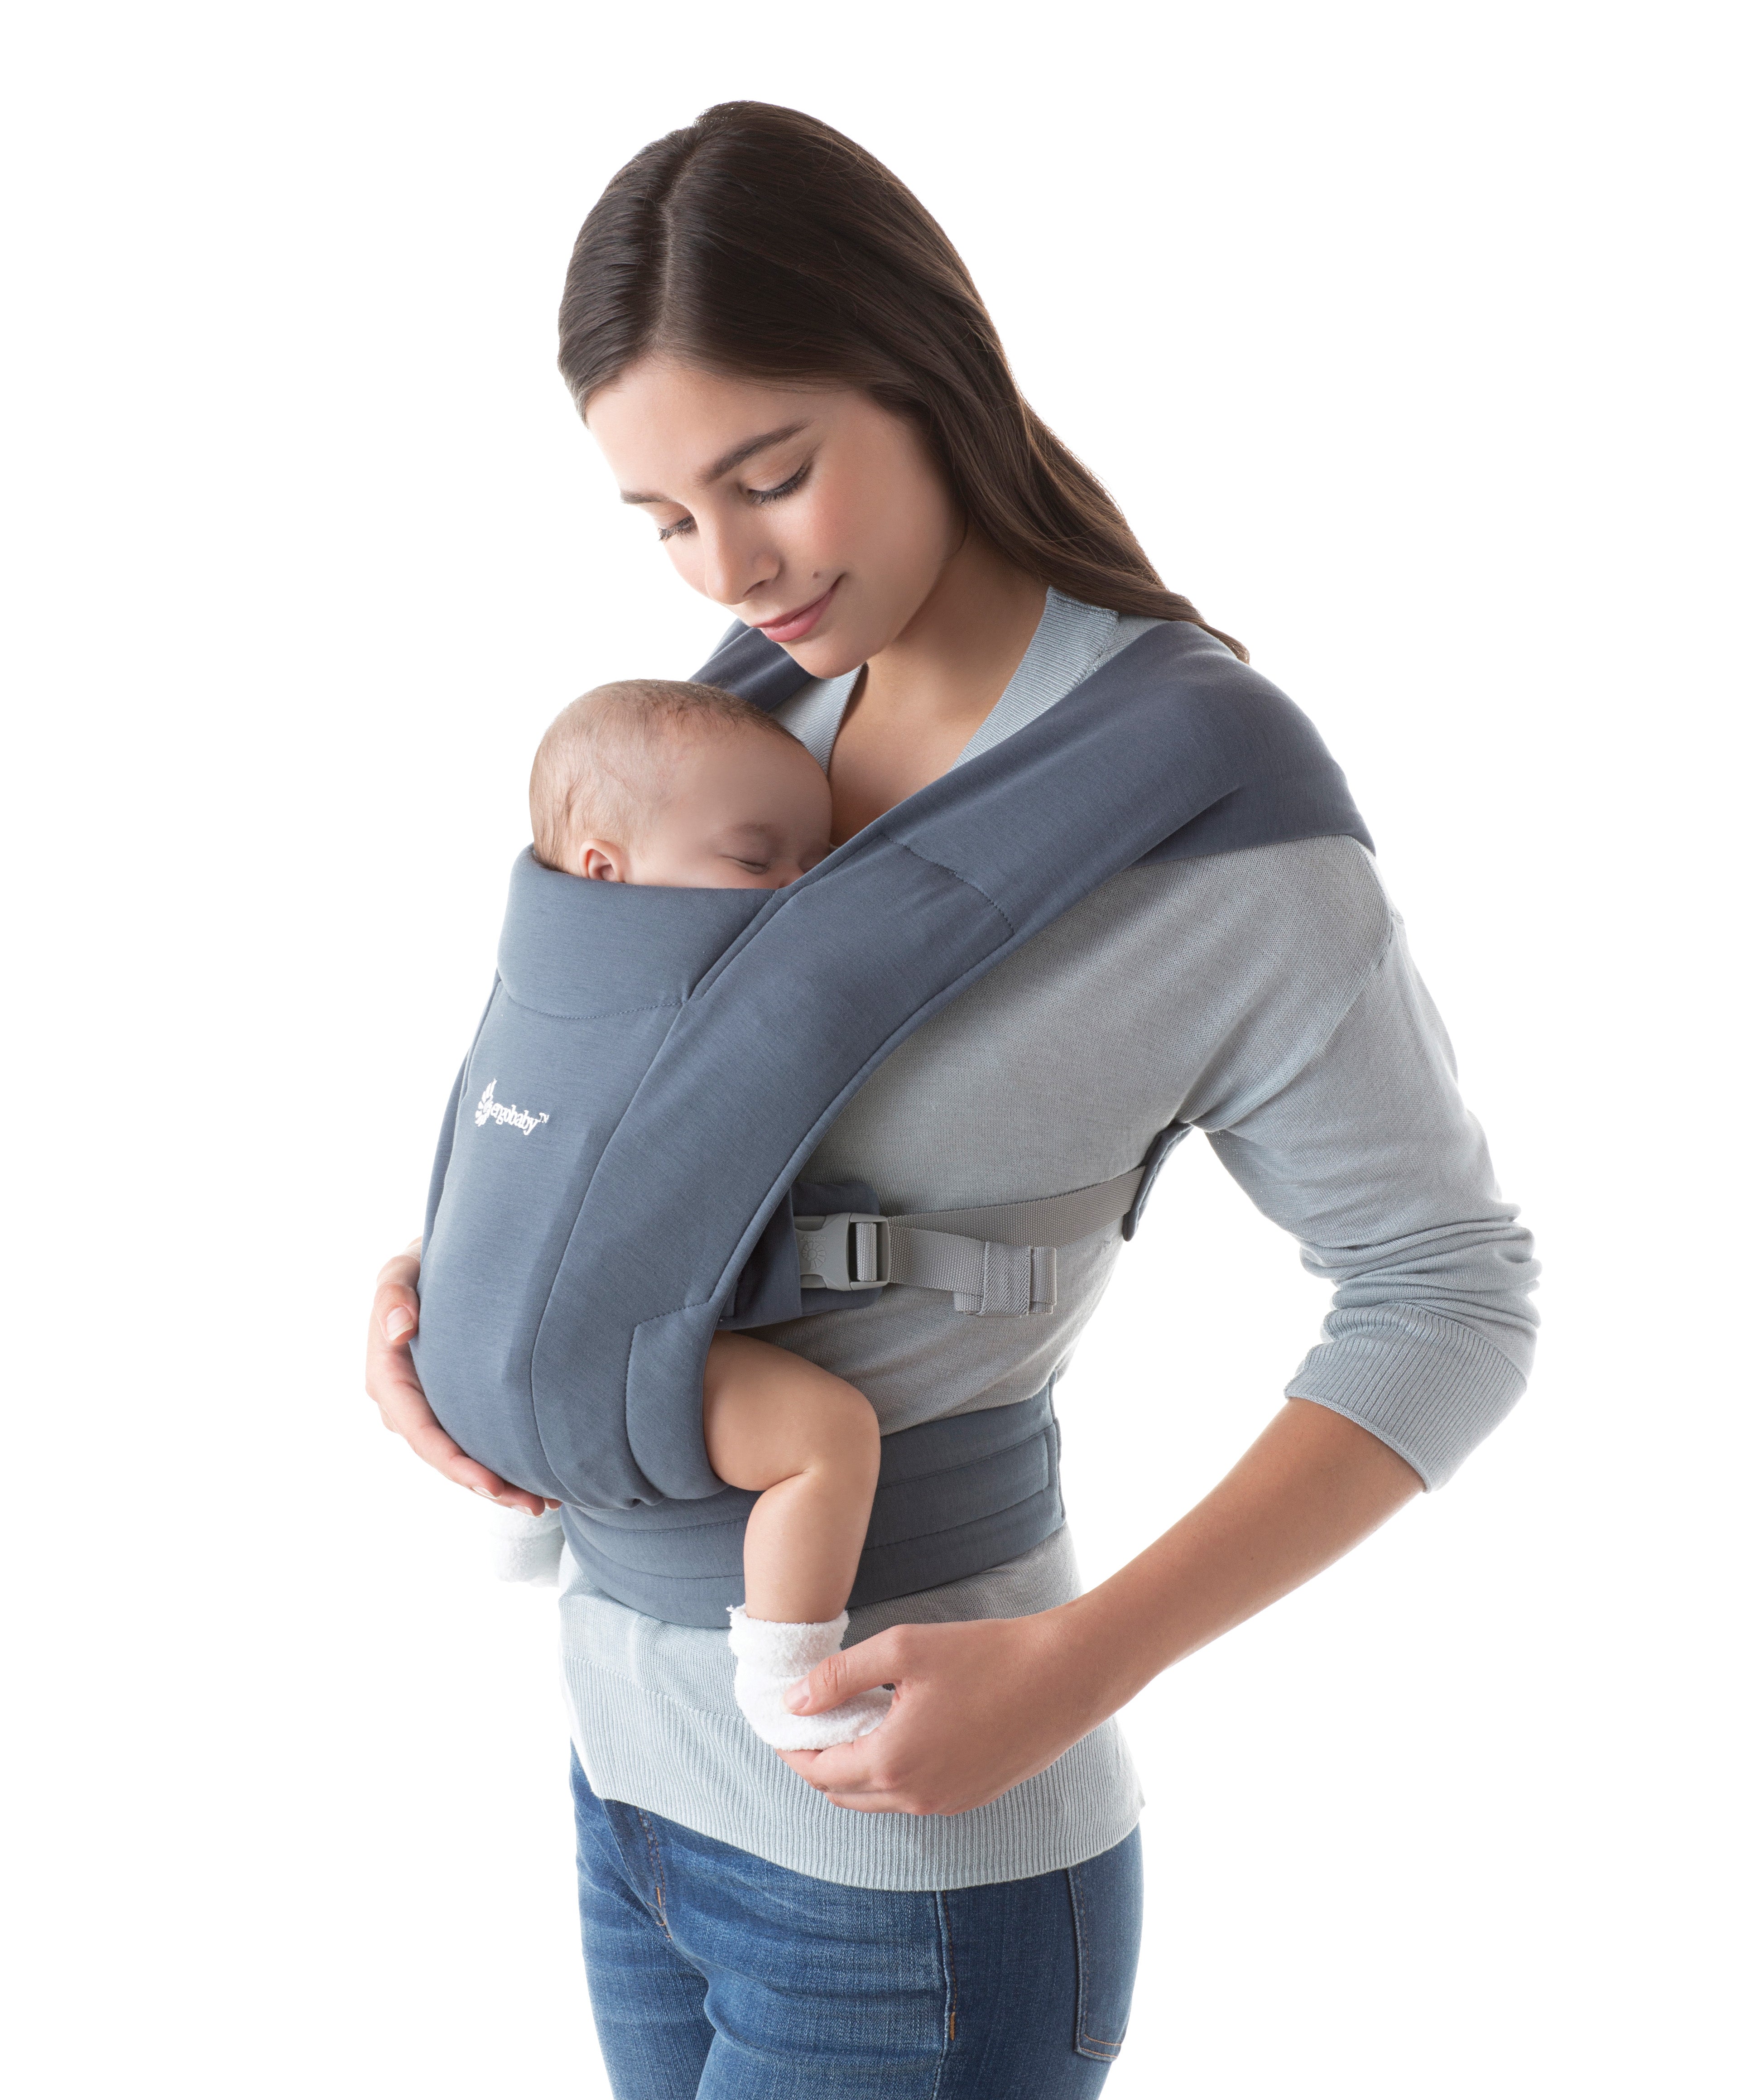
398 1323
485 1494
797 1697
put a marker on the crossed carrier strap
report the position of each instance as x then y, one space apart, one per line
617 1175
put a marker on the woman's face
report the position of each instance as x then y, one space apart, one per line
813 514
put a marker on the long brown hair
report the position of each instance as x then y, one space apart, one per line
762 243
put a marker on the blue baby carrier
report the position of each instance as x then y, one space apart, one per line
616 1176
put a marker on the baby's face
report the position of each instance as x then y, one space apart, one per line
743 809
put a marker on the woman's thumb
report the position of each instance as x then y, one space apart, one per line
829 1683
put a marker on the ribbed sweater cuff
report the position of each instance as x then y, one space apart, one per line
1430 1389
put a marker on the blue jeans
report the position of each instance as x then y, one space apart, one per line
713 1974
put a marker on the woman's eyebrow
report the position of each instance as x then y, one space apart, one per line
730 462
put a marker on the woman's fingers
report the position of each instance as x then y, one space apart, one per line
851 1774
392 1382
846 1776
407 1412
977 1708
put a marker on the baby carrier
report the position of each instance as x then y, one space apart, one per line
616 1175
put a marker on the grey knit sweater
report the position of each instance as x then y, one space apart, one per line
1266 997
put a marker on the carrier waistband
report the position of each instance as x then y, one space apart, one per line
954 1497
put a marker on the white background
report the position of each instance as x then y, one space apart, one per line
1403 335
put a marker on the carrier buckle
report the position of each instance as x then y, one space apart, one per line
850 1250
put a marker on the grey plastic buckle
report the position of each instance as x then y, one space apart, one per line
850 1250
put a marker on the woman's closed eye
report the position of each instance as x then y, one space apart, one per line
774 494
784 487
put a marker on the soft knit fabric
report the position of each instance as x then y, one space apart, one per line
526 1548
770 1656
1268 999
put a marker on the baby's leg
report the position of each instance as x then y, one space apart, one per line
809 1444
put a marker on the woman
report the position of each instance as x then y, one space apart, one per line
788 368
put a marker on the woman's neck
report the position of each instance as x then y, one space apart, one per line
961 647
920 699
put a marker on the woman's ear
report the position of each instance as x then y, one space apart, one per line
603 863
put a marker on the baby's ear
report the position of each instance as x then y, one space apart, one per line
602 863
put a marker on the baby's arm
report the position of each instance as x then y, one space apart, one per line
810 1443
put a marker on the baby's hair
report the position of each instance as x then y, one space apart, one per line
599 769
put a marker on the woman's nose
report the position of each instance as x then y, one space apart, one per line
732 564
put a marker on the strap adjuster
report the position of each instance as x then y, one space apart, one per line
850 1250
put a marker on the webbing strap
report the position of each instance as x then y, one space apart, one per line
1047 1221
986 1276
996 1258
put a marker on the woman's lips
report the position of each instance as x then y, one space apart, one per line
792 626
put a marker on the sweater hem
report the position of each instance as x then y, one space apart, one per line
1082 1806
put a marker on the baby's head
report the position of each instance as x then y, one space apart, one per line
684 786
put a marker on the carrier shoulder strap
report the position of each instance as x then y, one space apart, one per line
1172 749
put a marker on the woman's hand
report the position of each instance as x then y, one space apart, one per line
390 1381
978 1707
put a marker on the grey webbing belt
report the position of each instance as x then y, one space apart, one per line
1002 1258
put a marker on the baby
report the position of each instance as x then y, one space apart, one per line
687 787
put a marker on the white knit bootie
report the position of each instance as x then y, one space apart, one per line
526 1548
770 1656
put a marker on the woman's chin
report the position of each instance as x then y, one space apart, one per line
833 647
826 656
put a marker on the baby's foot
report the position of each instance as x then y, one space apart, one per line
524 1548
772 1655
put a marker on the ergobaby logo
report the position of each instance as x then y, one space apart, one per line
486 1111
